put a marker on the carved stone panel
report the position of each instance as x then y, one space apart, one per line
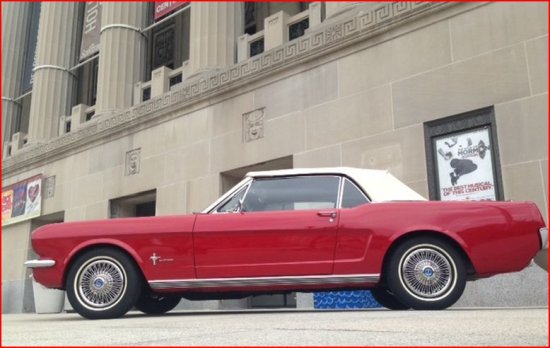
132 162
49 187
253 125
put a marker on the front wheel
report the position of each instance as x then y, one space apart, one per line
103 283
426 273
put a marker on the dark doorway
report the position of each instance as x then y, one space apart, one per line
136 205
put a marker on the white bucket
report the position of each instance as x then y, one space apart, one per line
47 300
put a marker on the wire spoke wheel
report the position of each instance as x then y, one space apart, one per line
101 283
427 272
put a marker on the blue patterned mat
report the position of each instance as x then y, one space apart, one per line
344 299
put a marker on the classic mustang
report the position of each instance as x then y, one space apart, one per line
291 230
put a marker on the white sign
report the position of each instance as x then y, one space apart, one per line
465 166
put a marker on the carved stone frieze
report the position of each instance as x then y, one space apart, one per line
310 46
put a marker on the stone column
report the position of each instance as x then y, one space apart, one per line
215 27
15 23
121 54
54 85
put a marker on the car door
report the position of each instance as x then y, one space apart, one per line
286 227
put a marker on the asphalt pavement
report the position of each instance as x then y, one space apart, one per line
373 327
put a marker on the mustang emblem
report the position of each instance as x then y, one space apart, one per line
154 258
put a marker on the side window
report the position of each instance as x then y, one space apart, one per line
352 196
232 204
296 193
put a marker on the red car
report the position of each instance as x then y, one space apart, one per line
291 230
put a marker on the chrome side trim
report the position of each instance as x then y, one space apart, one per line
543 232
39 263
264 281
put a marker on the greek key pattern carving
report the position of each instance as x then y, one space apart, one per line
312 44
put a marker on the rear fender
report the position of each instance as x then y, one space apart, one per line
436 232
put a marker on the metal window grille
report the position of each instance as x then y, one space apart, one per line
256 47
298 29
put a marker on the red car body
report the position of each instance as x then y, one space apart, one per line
311 249
497 237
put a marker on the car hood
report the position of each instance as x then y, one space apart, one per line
115 227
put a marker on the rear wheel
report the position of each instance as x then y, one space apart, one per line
426 273
387 299
103 283
150 303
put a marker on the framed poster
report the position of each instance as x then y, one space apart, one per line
462 155
465 167
22 201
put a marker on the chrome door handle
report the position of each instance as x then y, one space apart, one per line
330 214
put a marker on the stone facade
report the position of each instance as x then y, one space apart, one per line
355 90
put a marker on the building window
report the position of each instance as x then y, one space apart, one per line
175 80
298 29
87 83
22 121
89 115
250 26
169 42
146 94
462 157
30 56
256 47
163 47
256 12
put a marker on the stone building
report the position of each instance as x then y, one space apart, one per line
133 109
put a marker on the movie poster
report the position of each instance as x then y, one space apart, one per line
7 204
465 166
22 201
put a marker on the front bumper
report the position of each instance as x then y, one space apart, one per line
39 263
541 258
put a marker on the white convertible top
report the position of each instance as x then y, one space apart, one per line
380 185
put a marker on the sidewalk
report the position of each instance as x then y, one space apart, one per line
505 326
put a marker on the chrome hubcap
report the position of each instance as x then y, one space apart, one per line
427 272
101 283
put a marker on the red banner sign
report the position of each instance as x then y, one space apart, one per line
162 8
